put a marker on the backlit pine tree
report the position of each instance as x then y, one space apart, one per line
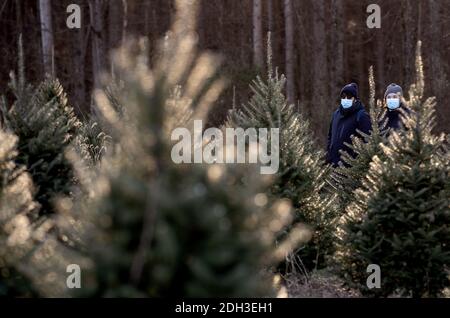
45 124
17 210
91 142
151 227
302 171
401 215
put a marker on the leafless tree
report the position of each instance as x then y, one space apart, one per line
98 45
320 53
45 10
337 43
258 55
289 51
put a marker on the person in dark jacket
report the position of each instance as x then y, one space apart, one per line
350 116
394 101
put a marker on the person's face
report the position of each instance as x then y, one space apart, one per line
393 100
347 101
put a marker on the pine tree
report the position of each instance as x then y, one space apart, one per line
37 129
17 211
45 125
302 170
400 216
91 142
348 176
154 228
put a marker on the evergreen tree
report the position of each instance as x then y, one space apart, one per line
154 228
17 210
45 124
302 171
91 142
400 216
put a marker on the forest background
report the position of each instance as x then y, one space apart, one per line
320 45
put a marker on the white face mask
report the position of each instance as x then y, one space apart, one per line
346 103
393 103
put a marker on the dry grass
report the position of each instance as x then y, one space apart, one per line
323 284
318 284
298 282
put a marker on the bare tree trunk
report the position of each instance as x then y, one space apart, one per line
146 18
220 13
337 41
271 28
45 10
270 15
125 19
98 52
320 55
408 42
115 23
245 55
79 49
258 59
303 66
19 16
438 79
361 69
289 51
379 44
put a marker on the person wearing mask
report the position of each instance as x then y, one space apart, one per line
394 102
349 118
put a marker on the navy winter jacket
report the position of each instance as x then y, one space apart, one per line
343 125
394 119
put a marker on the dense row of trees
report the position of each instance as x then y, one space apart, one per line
319 45
101 191
120 221
395 202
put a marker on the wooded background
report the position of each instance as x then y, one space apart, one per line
319 45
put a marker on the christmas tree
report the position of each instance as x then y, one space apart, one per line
45 125
400 216
302 171
150 227
17 211
91 142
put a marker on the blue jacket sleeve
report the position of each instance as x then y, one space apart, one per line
328 159
364 124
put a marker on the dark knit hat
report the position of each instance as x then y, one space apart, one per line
351 90
393 89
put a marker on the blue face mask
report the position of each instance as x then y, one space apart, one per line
346 103
393 103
